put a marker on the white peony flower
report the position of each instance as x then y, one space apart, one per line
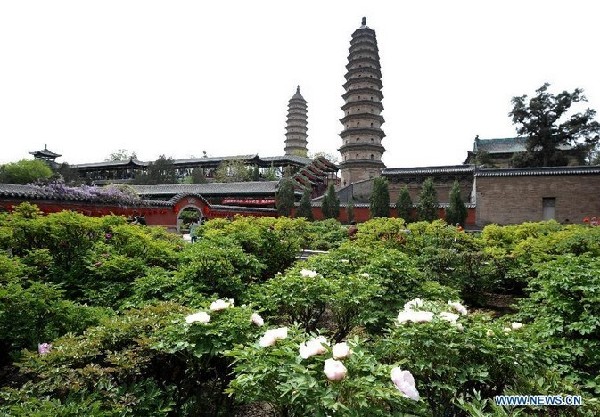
415 316
257 319
458 307
341 350
335 370
405 382
308 273
516 326
313 347
200 317
451 317
273 335
410 305
221 304
489 333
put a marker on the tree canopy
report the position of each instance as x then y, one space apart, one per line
24 171
380 198
427 207
161 171
457 211
330 205
404 205
304 209
544 120
285 196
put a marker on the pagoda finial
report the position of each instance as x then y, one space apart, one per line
298 90
364 21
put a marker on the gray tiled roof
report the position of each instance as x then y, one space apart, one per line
252 187
504 145
110 164
287 158
446 169
542 171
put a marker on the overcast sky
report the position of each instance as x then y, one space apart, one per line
181 77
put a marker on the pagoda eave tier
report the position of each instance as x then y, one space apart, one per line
354 81
352 104
297 103
362 43
361 163
351 147
362 116
362 131
361 54
367 60
352 73
366 91
364 32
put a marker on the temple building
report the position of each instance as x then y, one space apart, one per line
46 156
361 148
503 152
297 126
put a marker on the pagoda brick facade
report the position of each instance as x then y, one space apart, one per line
297 126
361 148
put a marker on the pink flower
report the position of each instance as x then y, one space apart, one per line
335 370
405 382
257 319
221 304
341 350
44 348
458 307
200 317
273 335
313 347
415 316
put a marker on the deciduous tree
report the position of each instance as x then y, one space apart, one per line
544 120
24 171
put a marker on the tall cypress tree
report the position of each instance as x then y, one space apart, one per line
404 205
304 209
457 211
427 208
380 199
331 204
285 196
350 210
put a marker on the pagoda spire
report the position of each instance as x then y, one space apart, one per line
297 126
362 135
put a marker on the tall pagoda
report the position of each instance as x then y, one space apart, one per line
361 148
297 122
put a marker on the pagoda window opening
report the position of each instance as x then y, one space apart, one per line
372 140
371 124
357 139
356 156
372 156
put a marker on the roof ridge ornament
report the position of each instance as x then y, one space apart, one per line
363 23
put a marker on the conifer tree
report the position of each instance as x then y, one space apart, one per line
285 196
380 199
304 209
456 213
350 210
427 207
331 204
404 205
